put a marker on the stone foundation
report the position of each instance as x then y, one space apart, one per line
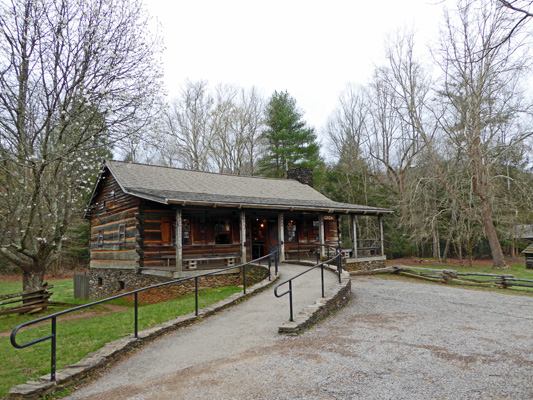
110 282
364 265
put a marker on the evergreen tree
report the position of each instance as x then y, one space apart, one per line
289 141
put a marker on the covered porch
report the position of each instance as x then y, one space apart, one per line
207 238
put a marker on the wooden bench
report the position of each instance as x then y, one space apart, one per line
229 260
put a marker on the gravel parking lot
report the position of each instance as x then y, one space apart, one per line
395 340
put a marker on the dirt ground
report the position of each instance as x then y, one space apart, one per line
416 261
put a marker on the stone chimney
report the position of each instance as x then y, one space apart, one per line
301 174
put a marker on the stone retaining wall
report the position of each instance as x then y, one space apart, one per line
364 265
110 282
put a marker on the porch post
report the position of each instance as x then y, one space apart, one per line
381 234
281 238
353 231
339 233
321 235
179 241
243 236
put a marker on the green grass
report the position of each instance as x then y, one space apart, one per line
63 291
76 338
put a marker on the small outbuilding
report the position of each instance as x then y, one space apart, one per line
528 252
149 220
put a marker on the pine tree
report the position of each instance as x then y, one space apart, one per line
290 142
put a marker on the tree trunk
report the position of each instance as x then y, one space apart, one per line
495 247
32 280
446 248
436 242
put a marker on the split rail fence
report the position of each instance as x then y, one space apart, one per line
30 301
479 279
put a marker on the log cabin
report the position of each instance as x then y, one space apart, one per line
150 220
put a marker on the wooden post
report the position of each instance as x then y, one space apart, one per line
321 235
139 242
281 237
179 241
381 235
353 231
243 236
339 233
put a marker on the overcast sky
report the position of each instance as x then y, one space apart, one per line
312 49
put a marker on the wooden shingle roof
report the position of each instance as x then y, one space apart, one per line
528 249
178 186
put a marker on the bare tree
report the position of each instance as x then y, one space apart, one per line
248 125
482 100
346 130
187 121
75 76
211 130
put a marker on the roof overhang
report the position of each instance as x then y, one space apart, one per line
280 207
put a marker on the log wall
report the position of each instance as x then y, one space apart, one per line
114 227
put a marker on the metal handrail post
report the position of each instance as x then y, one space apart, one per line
276 261
53 355
299 250
322 275
269 266
339 266
244 278
290 298
136 314
196 296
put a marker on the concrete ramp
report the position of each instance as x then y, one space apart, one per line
251 324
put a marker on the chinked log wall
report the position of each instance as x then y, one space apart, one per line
114 208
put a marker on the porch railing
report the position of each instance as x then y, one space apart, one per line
271 258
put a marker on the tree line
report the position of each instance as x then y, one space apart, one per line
451 148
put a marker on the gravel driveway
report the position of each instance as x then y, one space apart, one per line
394 340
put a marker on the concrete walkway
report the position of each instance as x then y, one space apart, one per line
252 324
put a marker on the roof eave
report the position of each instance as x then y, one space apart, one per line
332 210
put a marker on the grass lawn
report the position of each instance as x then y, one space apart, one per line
88 332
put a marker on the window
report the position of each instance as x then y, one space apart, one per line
186 231
305 232
290 235
316 228
100 238
100 282
122 233
222 231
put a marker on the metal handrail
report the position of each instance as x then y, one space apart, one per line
53 317
337 258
